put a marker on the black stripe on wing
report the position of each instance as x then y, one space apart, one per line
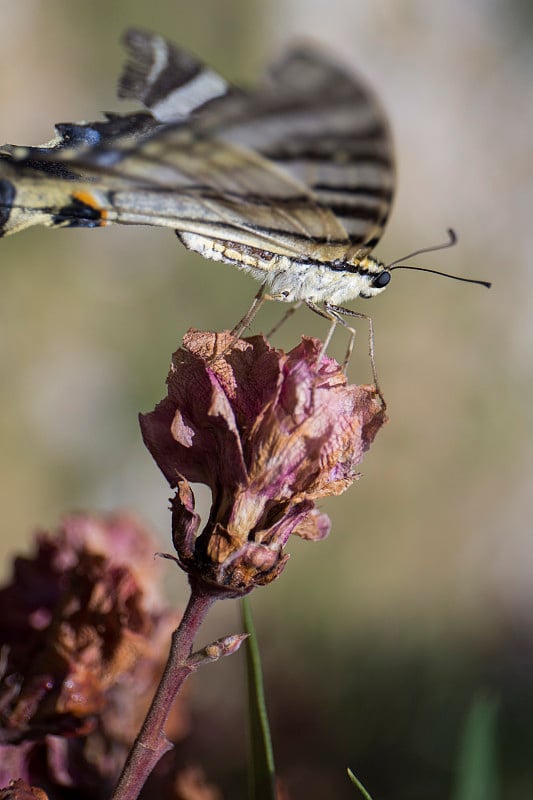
312 119
7 197
208 187
166 79
200 186
313 133
326 129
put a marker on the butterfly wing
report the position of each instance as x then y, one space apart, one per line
316 122
335 140
167 80
299 167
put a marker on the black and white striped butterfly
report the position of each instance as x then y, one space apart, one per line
291 182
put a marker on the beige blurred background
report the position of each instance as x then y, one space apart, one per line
432 550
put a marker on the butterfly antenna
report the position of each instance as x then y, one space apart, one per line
450 243
452 239
488 284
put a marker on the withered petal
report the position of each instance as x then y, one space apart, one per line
193 432
185 520
314 527
20 790
249 372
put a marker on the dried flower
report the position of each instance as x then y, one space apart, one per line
269 433
19 790
84 634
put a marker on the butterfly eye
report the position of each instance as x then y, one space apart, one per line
381 280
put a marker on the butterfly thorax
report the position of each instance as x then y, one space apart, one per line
290 279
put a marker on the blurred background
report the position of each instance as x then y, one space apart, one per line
375 641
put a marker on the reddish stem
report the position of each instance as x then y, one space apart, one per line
151 743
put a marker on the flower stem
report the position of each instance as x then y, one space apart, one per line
151 743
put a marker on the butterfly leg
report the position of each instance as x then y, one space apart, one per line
284 319
336 311
333 318
243 323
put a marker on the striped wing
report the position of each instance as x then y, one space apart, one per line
315 122
300 167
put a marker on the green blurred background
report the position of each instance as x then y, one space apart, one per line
376 640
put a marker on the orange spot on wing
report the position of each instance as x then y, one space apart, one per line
87 198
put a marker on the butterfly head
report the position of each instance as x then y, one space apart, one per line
376 276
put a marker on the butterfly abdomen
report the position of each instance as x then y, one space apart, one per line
289 279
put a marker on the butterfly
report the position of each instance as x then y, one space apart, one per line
291 182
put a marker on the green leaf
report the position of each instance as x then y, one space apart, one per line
359 785
477 772
261 770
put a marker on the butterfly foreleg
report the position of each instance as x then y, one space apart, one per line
337 311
